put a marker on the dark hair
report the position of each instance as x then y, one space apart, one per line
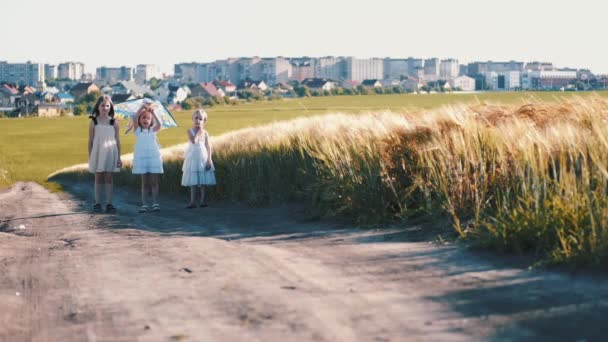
95 113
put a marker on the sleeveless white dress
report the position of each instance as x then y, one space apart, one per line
146 154
104 154
195 159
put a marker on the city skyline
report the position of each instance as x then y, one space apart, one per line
134 32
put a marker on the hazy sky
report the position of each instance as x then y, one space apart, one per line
130 32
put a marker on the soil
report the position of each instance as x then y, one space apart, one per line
234 273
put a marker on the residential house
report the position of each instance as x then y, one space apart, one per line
63 98
5 98
162 92
130 87
206 90
319 84
177 94
390 83
9 94
82 89
254 86
372 83
52 90
118 98
439 85
412 83
350 84
46 97
27 104
107 90
49 109
226 87
464 83
26 90
285 89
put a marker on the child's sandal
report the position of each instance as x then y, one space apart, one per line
143 209
97 208
191 206
155 207
110 209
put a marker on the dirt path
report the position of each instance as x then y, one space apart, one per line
231 273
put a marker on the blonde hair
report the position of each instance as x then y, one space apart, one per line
146 108
201 112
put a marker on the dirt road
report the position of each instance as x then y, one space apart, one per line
232 273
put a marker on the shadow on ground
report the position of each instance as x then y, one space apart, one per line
234 221
518 303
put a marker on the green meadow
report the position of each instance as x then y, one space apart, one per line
32 148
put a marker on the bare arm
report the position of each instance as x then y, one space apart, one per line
117 137
135 124
129 128
209 149
158 123
91 136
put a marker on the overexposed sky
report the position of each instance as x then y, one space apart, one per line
129 32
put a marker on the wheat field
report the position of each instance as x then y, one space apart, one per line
526 179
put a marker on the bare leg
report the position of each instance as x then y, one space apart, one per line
97 187
143 189
192 194
203 196
153 181
108 186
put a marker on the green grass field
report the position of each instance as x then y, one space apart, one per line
32 148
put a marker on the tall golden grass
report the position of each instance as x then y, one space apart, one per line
527 178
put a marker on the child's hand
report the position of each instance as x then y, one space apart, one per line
119 163
208 166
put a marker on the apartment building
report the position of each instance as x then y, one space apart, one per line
449 68
50 72
536 66
478 68
302 69
274 70
395 69
414 65
548 79
111 75
431 67
227 70
29 73
329 67
70 71
145 72
186 72
363 69
503 80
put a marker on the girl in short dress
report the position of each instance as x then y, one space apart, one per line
104 150
147 160
198 169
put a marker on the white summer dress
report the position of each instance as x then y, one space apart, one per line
146 154
195 159
104 153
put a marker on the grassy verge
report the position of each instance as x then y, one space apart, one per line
38 146
527 179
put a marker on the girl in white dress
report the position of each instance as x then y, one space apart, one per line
147 160
104 150
198 169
